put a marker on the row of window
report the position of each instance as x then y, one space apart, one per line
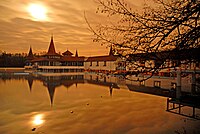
47 63
158 84
73 63
60 70
97 63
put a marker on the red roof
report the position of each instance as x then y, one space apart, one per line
76 55
52 51
30 55
103 58
67 53
67 58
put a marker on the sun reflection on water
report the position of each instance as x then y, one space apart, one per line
38 119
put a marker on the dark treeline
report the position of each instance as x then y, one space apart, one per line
12 60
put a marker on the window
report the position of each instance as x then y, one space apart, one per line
97 78
97 63
104 63
90 63
173 86
142 83
142 63
104 79
157 84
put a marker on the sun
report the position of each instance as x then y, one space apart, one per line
38 12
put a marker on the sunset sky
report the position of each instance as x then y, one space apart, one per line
25 23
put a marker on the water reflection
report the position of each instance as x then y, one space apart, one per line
53 82
146 105
38 119
30 82
111 89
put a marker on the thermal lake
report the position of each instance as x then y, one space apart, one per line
87 104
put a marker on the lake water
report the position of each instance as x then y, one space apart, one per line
82 104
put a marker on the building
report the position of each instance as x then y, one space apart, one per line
106 63
165 61
54 62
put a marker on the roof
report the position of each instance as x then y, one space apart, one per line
67 53
76 55
51 50
192 53
67 58
30 55
103 58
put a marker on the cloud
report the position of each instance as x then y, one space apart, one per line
65 20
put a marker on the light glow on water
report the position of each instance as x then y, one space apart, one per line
38 119
84 104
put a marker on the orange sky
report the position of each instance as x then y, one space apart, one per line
64 19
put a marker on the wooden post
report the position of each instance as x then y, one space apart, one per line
178 84
193 86
167 104
193 113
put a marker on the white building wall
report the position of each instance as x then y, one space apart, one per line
110 65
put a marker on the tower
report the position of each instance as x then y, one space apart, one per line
51 50
76 55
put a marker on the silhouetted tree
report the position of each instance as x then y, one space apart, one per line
168 25
12 60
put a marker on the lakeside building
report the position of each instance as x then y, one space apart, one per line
68 62
106 63
54 62
185 60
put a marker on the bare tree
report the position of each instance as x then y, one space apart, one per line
167 25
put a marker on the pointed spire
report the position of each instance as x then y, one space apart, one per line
76 54
51 47
30 53
111 51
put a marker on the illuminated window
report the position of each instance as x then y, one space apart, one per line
157 84
173 86
142 83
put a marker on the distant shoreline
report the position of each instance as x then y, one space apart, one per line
11 69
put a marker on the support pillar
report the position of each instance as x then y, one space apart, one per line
193 80
167 104
178 84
